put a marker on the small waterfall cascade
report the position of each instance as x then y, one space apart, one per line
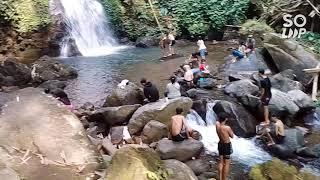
244 150
87 25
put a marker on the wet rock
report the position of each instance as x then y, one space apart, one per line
282 105
161 111
116 134
145 42
182 151
241 88
13 73
178 170
207 83
53 84
72 48
285 84
301 99
154 131
200 106
236 77
288 54
289 73
250 101
316 149
130 95
198 166
88 106
136 162
46 69
255 78
306 152
114 115
197 94
241 121
41 123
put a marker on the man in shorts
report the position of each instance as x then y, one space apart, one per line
224 146
265 88
179 127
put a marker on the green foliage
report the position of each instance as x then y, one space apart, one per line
25 15
312 41
255 27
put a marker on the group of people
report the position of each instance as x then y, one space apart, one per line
244 49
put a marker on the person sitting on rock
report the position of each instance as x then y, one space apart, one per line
150 91
188 76
173 89
277 136
250 44
265 86
179 127
224 146
193 61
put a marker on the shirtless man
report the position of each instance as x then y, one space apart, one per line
224 146
179 128
278 134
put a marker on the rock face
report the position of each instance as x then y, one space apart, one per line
161 111
178 170
130 95
46 69
281 104
114 115
182 151
285 84
241 121
301 99
145 42
13 73
288 54
198 166
241 88
136 162
154 131
43 126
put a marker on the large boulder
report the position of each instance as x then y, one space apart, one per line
302 100
154 131
161 111
47 68
199 166
148 41
282 105
182 151
200 106
241 88
44 137
13 73
114 115
285 84
241 121
288 54
197 94
136 162
178 170
207 83
129 95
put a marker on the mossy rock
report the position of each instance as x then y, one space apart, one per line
136 162
278 170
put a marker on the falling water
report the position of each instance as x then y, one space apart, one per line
87 25
244 150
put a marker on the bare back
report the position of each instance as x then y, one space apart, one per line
224 132
176 124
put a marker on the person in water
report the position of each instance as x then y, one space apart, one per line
265 89
224 146
172 41
173 89
179 127
250 44
202 48
150 91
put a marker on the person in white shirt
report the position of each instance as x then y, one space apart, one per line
188 75
202 48
173 89
172 39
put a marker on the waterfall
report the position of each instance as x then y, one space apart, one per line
87 25
244 150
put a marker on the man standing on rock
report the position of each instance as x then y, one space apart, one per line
150 91
265 86
224 146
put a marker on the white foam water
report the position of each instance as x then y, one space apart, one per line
245 151
88 26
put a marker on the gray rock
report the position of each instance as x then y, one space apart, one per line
200 106
130 95
197 94
7 173
207 83
236 77
53 84
302 100
285 84
178 170
241 88
306 152
13 73
116 134
316 149
182 151
161 111
198 166
250 101
282 105
241 121
154 131
146 42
